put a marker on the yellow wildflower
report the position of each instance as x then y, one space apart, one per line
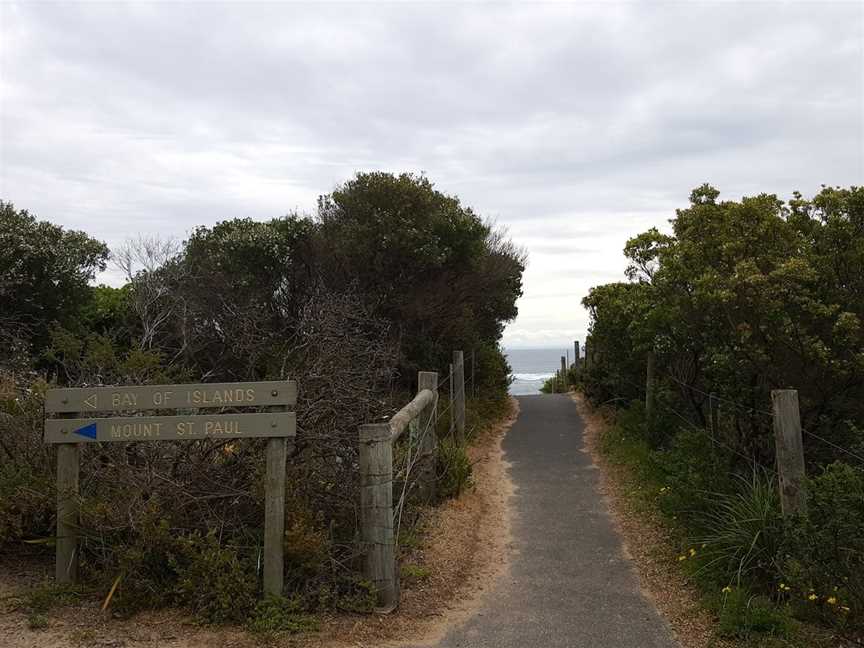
727 590
831 600
812 597
692 552
682 557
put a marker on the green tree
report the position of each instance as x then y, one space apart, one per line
443 276
45 273
744 297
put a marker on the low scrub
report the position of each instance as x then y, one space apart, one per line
762 573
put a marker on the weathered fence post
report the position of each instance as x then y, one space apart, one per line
376 509
790 450
274 515
428 437
452 429
563 374
66 571
459 394
649 386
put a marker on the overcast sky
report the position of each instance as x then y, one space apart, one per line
575 125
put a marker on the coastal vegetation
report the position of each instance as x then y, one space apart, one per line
387 278
740 298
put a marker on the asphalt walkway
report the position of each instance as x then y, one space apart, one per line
569 584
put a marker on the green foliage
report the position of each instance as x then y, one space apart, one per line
37 621
27 478
98 358
390 276
276 615
215 581
743 615
444 277
755 568
45 272
162 567
824 551
485 410
414 573
742 297
744 532
552 386
454 469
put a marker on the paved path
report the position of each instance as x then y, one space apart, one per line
569 584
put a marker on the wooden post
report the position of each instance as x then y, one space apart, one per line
459 395
274 516
376 508
563 374
452 410
790 450
428 438
649 386
66 571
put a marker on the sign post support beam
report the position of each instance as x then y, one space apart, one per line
274 516
67 514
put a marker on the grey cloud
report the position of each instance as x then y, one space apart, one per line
576 124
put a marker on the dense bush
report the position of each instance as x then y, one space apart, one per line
824 551
742 298
739 299
387 278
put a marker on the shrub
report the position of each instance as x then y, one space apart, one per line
552 386
414 573
454 469
824 552
743 615
744 531
275 615
215 581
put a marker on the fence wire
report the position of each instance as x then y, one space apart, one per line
743 408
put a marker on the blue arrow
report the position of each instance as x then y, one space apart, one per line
88 431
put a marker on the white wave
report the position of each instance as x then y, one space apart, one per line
532 376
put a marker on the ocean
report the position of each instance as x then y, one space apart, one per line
532 367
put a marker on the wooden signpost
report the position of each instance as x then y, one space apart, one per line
73 425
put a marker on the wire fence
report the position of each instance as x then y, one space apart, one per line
747 409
